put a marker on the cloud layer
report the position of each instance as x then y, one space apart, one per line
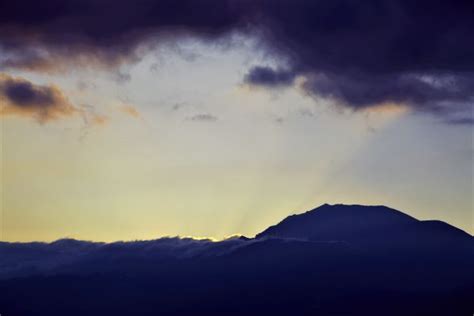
360 54
24 259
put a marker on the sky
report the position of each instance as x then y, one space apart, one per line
216 118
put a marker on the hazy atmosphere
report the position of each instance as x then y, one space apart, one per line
222 123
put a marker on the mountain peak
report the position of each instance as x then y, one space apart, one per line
337 222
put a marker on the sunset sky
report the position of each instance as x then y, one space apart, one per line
226 118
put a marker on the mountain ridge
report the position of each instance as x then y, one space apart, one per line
342 222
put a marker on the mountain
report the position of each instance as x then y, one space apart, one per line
368 225
337 222
333 260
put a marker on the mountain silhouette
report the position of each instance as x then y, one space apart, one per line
332 260
364 225
339 222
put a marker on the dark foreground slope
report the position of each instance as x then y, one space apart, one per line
334 260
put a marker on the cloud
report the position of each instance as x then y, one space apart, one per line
85 85
91 117
268 77
44 103
23 259
461 121
122 78
34 34
307 113
358 53
279 120
130 110
364 54
23 98
203 118
99 120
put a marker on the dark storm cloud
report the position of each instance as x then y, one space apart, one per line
33 33
369 53
359 53
360 91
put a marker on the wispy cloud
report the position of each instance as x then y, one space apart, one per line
205 117
130 111
461 121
